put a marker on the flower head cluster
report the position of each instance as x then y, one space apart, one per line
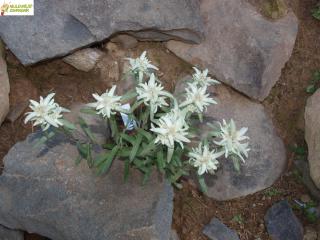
152 94
107 103
45 113
171 128
141 65
232 140
204 159
202 78
197 99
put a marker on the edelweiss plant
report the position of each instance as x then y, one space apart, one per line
150 128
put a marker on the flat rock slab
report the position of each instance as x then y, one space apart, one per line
282 224
59 27
241 47
43 192
267 158
312 135
216 230
9 234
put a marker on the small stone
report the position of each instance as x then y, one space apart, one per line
261 226
216 230
126 41
282 224
310 233
16 111
4 90
305 198
312 135
9 234
85 59
115 51
108 68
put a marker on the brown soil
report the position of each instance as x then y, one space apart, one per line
191 209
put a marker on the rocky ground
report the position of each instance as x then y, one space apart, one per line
192 210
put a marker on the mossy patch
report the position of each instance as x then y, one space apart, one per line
275 9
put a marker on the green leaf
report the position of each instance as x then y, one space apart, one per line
124 152
146 134
135 147
149 148
145 116
101 158
160 161
40 141
104 167
202 183
136 105
90 111
311 89
140 165
86 129
129 139
236 164
131 94
89 158
83 150
108 146
114 127
78 160
176 176
68 125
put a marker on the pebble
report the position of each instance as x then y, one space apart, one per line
305 198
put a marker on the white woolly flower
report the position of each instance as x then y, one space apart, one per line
204 159
171 128
107 103
232 140
141 65
152 94
197 99
202 78
45 113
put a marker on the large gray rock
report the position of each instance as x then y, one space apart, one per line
4 89
216 230
312 135
282 224
42 191
8 234
267 158
59 27
242 48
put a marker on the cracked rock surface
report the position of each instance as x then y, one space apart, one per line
59 27
42 191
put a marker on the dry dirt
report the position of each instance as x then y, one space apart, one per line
191 209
